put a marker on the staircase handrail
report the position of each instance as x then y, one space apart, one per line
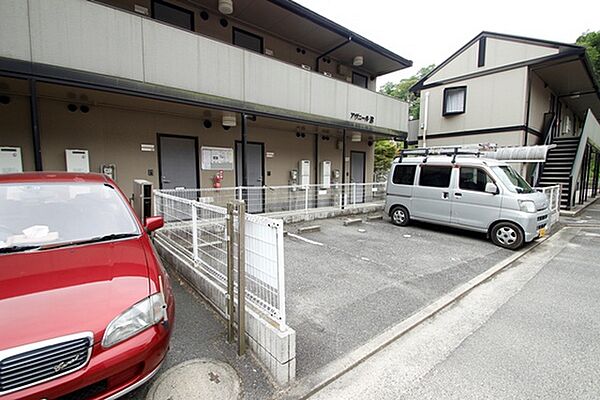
539 168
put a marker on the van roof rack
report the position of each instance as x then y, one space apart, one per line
451 151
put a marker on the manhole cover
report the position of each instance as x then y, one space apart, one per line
196 379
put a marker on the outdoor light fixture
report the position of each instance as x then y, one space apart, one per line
356 137
358 61
229 119
226 7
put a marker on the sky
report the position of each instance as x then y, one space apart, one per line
428 32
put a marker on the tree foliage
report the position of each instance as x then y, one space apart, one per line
385 151
591 41
402 91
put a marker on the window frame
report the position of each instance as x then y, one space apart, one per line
425 166
414 174
490 177
176 7
366 86
235 29
445 103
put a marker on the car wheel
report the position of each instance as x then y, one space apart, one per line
507 235
400 216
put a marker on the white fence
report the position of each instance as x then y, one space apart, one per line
199 231
553 194
285 199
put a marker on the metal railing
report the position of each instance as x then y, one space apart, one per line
201 232
553 193
289 198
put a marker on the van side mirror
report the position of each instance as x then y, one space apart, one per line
153 223
491 188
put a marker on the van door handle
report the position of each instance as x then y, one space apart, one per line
445 195
458 195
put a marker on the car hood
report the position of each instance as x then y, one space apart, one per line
51 293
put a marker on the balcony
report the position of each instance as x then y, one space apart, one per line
85 36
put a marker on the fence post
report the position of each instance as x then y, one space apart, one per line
239 193
354 193
230 276
306 198
241 278
194 232
280 275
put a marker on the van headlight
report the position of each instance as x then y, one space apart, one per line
135 319
527 206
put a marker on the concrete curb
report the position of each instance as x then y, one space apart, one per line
576 213
305 388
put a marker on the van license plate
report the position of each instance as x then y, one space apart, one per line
542 232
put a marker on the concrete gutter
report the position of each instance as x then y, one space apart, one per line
575 213
310 385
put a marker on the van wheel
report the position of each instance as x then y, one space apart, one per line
507 235
400 216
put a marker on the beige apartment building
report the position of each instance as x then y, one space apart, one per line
515 91
176 91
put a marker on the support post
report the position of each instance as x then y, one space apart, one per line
194 232
230 275
343 169
35 128
244 147
242 279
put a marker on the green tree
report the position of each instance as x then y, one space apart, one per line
402 91
591 41
385 151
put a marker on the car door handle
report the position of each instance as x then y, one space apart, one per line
445 195
458 195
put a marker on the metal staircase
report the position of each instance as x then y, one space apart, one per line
558 166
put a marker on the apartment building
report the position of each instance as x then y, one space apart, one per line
180 92
516 91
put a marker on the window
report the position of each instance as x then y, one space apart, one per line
435 176
481 53
173 15
472 178
404 175
359 80
455 100
247 40
512 180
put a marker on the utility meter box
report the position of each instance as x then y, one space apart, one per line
142 199
325 174
304 172
77 160
10 160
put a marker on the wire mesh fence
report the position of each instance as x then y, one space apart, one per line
200 231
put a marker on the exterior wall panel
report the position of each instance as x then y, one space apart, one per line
14 30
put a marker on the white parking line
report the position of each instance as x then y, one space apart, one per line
304 239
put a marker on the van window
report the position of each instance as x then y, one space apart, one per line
435 176
472 178
404 175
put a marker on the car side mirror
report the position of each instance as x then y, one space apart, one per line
491 188
153 223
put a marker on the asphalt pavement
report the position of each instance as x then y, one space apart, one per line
531 332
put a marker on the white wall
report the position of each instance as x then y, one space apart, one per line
82 35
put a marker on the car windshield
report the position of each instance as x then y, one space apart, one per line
39 215
512 180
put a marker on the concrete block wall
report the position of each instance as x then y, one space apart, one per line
275 349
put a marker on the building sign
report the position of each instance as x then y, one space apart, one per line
217 158
369 119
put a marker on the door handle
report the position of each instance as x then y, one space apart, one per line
445 195
458 195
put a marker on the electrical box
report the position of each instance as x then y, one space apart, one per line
10 160
304 172
142 199
77 160
325 174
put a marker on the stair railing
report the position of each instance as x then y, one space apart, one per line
549 120
591 131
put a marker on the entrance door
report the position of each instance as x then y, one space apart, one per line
255 156
178 162
357 175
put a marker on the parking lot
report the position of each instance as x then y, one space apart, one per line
347 284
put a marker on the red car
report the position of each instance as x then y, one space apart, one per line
86 308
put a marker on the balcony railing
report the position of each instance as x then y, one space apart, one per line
92 37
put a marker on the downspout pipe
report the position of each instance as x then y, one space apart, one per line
348 40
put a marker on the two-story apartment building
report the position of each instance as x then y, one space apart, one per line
517 91
175 91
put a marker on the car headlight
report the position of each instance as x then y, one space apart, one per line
527 206
135 319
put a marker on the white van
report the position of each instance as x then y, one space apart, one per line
483 195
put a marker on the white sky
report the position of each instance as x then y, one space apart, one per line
428 32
